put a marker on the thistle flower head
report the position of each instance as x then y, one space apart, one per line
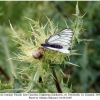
31 49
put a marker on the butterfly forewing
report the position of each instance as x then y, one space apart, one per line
64 35
66 32
52 38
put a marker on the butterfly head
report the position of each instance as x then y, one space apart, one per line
44 45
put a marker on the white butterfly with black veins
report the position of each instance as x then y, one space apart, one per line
60 42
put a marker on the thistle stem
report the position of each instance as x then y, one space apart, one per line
56 82
4 73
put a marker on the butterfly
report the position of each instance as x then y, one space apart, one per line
60 42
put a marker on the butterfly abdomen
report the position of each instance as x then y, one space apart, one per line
52 45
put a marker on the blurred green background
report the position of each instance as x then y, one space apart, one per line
85 78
